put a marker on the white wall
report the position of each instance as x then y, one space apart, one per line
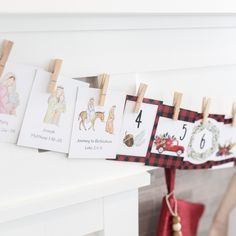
111 6
192 54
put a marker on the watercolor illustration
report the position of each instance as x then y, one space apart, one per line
110 121
131 140
225 150
9 98
206 149
90 116
56 106
169 143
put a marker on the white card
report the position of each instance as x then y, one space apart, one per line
137 129
227 143
48 119
96 129
15 86
172 137
204 140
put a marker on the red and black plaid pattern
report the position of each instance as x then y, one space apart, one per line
161 160
217 117
228 121
178 163
184 115
167 161
137 158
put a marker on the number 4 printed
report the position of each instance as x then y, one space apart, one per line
137 129
138 119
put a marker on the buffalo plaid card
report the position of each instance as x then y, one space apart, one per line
137 129
227 143
170 138
201 148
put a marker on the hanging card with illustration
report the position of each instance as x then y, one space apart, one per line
15 86
204 141
227 143
136 129
48 119
96 128
170 138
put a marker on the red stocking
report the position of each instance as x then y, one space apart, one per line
181 215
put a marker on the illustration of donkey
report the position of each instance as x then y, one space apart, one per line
83 118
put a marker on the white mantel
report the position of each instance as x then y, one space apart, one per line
39 190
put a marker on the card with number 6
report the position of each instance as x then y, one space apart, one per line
205 140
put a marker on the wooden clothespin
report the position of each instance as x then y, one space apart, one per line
140 95
7 46
104 81
57 63
205 109
234 114
176 103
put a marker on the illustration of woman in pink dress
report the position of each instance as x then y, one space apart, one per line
9 98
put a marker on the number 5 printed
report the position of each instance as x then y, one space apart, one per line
185 132
172 137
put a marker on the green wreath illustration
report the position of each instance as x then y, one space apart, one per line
215 137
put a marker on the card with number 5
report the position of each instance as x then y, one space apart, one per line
136 130
172 137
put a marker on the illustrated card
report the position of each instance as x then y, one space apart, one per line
15 86
137 129
227 143
96 129
172 137
204 142
169 142
48 119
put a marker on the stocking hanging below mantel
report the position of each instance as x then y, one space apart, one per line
177 217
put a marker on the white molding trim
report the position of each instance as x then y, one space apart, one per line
94 22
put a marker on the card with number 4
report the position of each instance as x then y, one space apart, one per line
136 130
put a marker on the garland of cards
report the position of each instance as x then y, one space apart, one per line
183 144
70 120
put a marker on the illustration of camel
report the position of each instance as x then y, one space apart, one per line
83 117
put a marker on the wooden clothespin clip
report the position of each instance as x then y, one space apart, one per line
205 109
176 103
141 93
7 46
57 63
234 114
104 81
